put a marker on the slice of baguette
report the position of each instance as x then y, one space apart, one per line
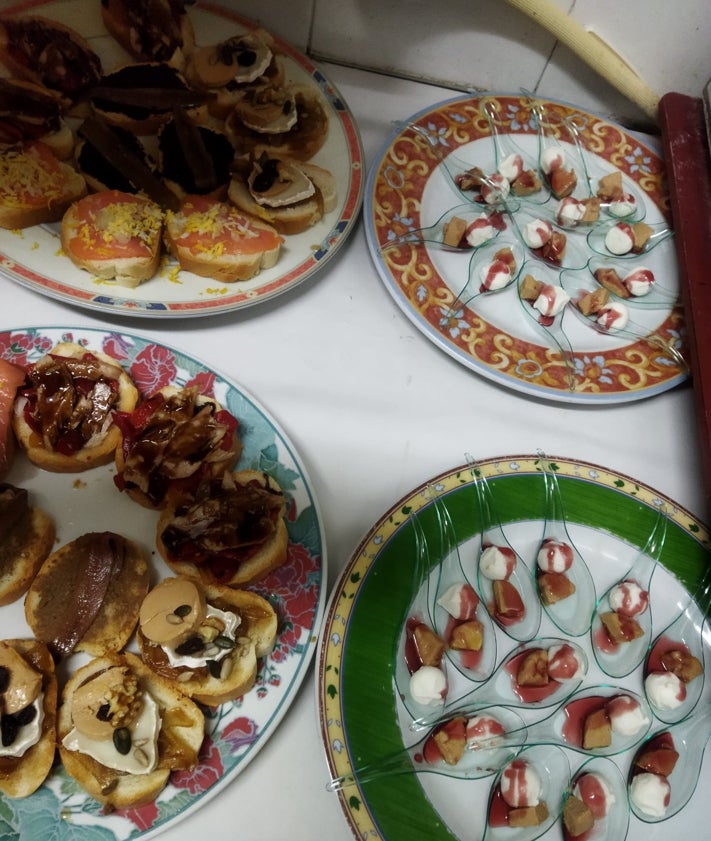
239 567
215 239
291 218
87 593
153 30
21 776
98 449
255 638
35 187
25 544
181 736
114 235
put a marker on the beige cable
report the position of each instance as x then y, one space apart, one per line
593 51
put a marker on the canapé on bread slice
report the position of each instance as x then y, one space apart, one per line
218 633
288 194
26 539
302 141
11 378
35 186
23 774
114 235
87 593
172 440
32 112
217 240
231 531
182 730
76 432
153 30
48 53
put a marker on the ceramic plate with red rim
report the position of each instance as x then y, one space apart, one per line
33 256
410 187
89 501
609 516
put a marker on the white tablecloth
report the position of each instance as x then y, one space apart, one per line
374 409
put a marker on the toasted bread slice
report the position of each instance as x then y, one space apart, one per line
182 730
196 438
153 30
11 378
114 235
219 680
214 239
302 141
244 518
48 53
87 593
72 435
27 537
289 214
35 186
22 775
32 112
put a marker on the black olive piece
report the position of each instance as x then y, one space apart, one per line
221 641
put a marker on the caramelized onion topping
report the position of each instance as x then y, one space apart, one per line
63 63
69 400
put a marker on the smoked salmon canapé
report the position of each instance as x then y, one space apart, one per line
214 239
35 186
114 235
11 378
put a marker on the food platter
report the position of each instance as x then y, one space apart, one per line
89 501
609 517
33 258
410 187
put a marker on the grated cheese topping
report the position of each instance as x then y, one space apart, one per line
27 178
118 223
212 228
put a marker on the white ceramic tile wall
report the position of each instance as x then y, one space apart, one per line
489 45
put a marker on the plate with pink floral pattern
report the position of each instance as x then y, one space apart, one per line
489 161
89 501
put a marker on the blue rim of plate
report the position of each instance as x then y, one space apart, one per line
319 244
370 601
403 205
236 731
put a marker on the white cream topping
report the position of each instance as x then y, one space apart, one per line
649 792
142 758
552 158
537 233
613 316
428 686
480 231
618 240
497 564
665 690
213 652
552 300
511 166
27 735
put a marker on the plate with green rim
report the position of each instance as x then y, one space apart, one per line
609 515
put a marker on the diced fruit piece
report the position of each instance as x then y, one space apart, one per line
563 182
451 739
612 281
533 668
657 760
597 732
507 601
683 664
577 816
467 636
554 587
620 628
528 815
454 231
430 646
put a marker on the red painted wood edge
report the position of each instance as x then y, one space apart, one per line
688 161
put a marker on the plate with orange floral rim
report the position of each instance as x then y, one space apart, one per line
89 501
609 516
409 188
33 257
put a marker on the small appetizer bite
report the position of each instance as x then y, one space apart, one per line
301 141
63 414
87 593
288 194
231 531
26 539
11 378
215 239
122 729
114 235
152 30
35 186
31 112
48 53
205 638
171 442
28 699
